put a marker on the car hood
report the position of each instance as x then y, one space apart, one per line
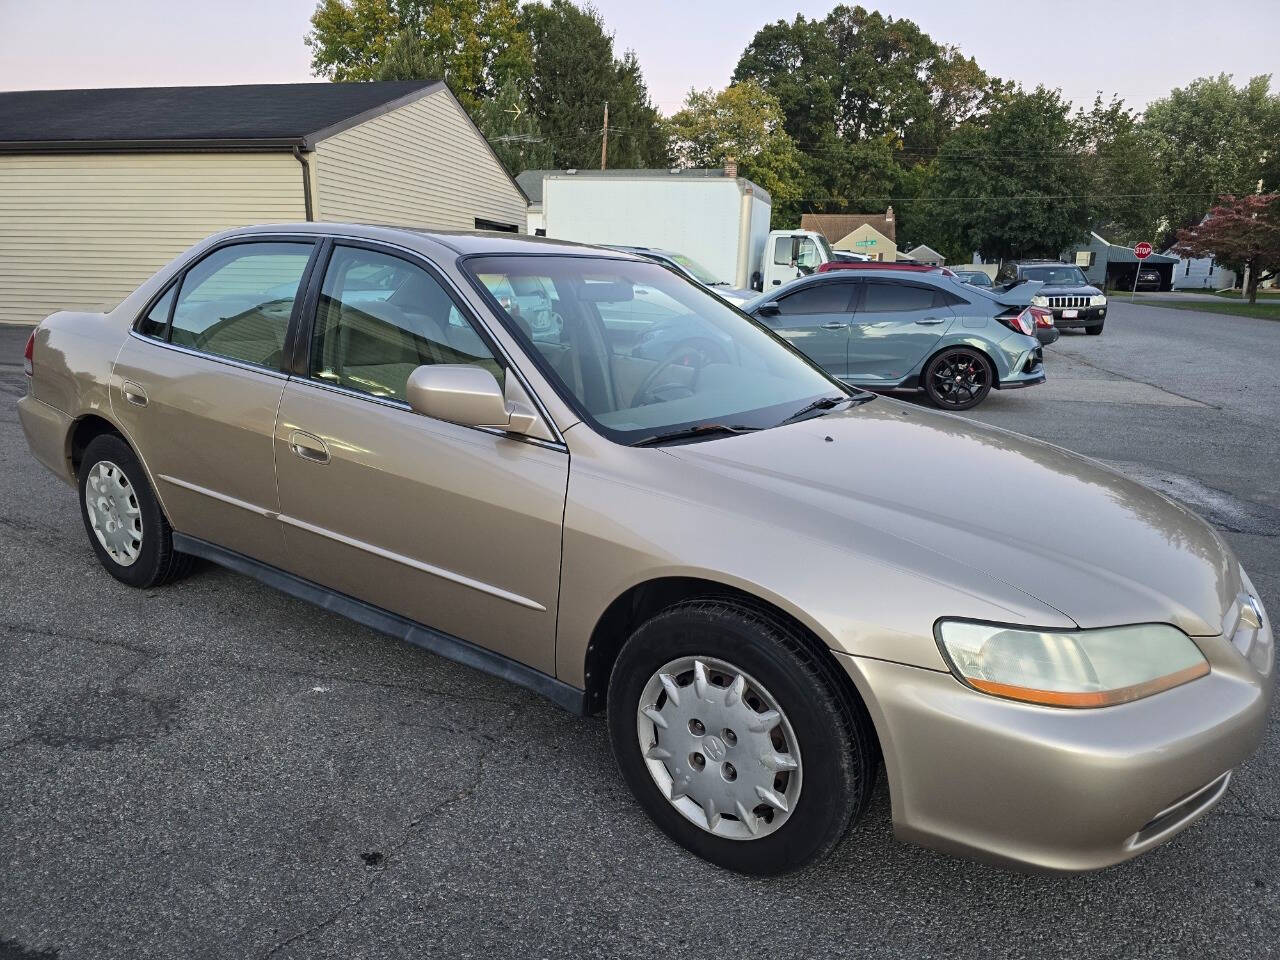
1067 290
1099 548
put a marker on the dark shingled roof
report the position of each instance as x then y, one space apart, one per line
260 114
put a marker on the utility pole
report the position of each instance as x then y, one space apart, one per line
604 140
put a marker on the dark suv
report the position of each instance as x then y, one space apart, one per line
1074 301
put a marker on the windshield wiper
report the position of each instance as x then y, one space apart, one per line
827 403
691 432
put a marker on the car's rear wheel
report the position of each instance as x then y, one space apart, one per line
736 740
958 378
126 527
1096 329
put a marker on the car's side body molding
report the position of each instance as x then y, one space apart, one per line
443 644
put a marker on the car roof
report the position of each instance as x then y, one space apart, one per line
461 242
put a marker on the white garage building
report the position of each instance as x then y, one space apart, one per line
100 188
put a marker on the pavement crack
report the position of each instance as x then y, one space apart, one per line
38 630
1085 361
411 831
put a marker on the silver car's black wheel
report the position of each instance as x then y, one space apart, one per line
958 378
739 742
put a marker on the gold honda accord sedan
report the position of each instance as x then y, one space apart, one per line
577 470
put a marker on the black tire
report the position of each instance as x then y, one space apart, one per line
157 561
1096 329
971 365
831 727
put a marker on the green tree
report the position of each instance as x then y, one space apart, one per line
474 45
512 130
1116 155
742 122
1013 183
574 74
866 98
1211 138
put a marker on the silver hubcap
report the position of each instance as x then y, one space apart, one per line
719 747
113 511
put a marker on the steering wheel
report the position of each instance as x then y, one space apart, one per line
684 355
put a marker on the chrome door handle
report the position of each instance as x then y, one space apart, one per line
134 393
834 325
929 321
307 446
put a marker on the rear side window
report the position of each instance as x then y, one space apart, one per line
237 301
896 297
380 318
819 298
156 322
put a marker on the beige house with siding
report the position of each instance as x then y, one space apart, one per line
100 188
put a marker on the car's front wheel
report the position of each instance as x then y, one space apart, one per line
126 527
736 739
958 379
1096 329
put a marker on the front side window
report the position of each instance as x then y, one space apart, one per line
237 301
807 256
380 318
641 351
896 297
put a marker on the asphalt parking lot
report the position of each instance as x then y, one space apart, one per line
214 769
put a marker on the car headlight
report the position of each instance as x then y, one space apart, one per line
1098 301
1039 301
1070 668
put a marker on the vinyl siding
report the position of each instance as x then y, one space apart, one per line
420 165
81 232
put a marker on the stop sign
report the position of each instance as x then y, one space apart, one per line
1142 250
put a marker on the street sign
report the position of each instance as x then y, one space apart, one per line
1142 250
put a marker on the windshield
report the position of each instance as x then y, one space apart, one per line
826 247
696 270
1064 275
638 350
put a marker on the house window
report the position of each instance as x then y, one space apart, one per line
483 224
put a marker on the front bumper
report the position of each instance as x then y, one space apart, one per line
1085 316
1057 789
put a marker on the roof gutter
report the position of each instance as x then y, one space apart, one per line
306 183
252 145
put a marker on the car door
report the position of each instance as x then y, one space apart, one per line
453 527
895 324
816 318
197 384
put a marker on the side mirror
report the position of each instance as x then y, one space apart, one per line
468 395
768 309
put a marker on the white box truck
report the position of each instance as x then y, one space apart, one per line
721 222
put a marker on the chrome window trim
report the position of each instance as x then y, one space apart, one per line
216 358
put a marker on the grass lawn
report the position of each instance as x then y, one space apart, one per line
1262 294
1263 311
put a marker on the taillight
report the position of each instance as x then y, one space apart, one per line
28 353
1022 322
1043 317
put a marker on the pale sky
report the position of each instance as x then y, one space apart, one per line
1137 50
